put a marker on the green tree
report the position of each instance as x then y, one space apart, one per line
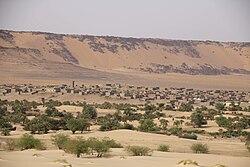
224 122
53 112
89 111
197 119
163 124
108 123
219 106
40 125
79 124
186 107
147 125
76 146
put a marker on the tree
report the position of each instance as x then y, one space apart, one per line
38 125
147 125
53 112
224 122
89 112
197 119
163 124
76 146
79 124
186 107
219 106
108 123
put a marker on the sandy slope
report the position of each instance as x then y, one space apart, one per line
33 158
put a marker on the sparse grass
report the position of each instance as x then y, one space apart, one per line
163 148
59 139
199 148
139 150
111 143
11 144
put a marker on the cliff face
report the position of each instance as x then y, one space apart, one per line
35 50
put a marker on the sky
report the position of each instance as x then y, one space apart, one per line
219 20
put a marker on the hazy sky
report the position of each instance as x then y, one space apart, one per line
223 20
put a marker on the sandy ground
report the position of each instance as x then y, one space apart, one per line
117 157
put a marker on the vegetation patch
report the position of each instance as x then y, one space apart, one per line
139 150
199 148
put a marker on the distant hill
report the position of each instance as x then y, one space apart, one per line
143 54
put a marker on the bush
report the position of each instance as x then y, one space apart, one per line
139 150
163 148
59 140
175 130
199 148
92 145
128 126
76 146
29 142
111 143
189 136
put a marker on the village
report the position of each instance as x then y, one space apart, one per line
170 96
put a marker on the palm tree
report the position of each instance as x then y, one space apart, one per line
163 124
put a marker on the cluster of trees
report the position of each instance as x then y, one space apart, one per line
53 119
235 123
79 146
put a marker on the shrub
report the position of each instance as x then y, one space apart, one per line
139 150
76 146
59 140
199 148
175 130
111 143
29 142
189 136
163 148
128 126
24 143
